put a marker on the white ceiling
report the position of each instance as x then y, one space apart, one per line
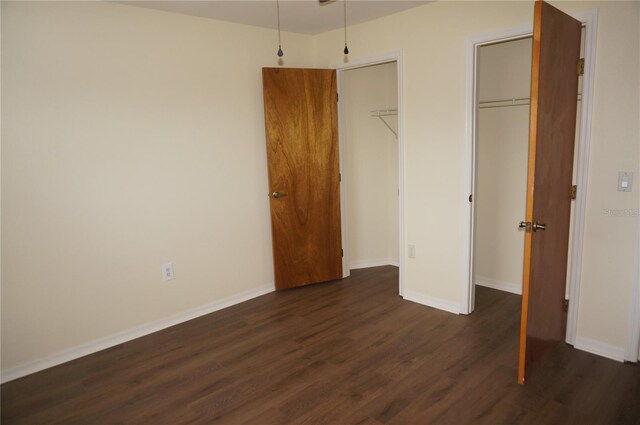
301 16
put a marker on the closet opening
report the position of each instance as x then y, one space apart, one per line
502 137
500 151
370 154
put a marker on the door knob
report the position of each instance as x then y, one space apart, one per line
538 226
278 195
524 225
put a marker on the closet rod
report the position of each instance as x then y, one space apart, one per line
516 101
383 112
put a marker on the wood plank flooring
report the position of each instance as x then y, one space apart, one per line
346 352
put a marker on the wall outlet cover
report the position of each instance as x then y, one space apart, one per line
167 272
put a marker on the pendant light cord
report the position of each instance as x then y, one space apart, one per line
280 53
346 49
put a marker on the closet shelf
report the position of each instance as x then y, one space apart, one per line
503 103
381 113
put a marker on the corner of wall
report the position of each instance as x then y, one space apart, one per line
434 302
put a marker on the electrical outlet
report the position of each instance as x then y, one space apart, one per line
167 272
625 179
412 251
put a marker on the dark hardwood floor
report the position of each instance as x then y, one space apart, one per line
349 352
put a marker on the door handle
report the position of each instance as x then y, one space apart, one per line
538 226
527 226
524 225
278 195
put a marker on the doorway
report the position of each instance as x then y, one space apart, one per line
371 141
502 138
503 82
370 126
474 45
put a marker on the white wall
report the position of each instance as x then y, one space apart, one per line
611 223
130 138
371 158
432 39
504 72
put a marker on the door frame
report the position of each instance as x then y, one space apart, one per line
632 350
472 43
392 56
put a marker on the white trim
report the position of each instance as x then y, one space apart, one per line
344 205
468 180
590 19
401 198
363 264
632 352
129 334
599 348
393 56
434 302
514 288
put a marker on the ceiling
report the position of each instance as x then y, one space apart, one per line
301 16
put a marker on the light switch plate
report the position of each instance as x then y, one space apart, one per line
625 181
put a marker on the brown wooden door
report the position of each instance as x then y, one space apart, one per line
301 121
554 89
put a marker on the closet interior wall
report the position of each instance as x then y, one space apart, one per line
504 72
371 164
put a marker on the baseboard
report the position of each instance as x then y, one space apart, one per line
363 264
434 302
128 335
599 348
514 288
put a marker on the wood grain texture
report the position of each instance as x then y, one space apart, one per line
345 352
301 122
554 87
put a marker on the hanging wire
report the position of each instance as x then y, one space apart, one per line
346 49
280 52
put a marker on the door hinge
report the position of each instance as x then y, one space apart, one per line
339 176
573 192
471 198
341 252
580 68
565 305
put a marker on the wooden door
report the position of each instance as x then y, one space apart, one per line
554 89
301 121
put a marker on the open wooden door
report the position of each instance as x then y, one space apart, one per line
301 121
554 90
